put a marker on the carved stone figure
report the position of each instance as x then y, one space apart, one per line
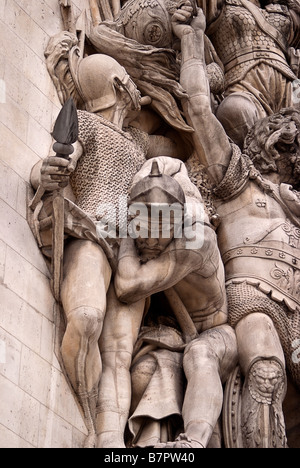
159 311
108 100
139 36
259 220
103 148
195 274
255 40
67 67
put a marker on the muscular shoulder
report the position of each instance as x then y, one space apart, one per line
195 249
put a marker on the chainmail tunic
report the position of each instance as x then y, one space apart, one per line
104 172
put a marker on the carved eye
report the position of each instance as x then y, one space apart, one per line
274 381
260 380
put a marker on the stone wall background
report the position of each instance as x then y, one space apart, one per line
37 407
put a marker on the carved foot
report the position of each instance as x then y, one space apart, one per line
183 441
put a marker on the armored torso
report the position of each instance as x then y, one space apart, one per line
259 243
259 236
104 172
241 43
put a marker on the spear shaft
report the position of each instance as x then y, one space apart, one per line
65 133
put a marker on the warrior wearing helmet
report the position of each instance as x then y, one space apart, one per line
109 152
99 81
258 201
192 277
98 175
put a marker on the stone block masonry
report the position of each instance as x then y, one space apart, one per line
37 406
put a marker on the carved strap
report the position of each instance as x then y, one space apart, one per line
259 54
287 254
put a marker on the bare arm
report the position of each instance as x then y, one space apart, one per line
211 142
135 281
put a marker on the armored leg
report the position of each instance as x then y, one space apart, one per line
262 362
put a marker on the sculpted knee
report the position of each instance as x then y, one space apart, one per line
116 348
267 381
87 321
198 355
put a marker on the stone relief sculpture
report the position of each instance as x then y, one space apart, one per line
148 318
255 40
195 275
87 271
102 87
257 202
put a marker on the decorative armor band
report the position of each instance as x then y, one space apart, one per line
288 255
269 53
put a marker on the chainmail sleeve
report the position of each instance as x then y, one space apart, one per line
236 177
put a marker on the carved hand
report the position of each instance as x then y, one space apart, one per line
55 173
181 18
199 22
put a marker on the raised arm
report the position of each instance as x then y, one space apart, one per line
211 142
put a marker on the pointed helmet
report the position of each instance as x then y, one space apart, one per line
98 78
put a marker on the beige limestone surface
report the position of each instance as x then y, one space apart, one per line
37 406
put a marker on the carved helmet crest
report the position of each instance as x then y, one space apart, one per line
150 188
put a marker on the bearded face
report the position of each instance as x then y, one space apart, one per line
288 162
274 146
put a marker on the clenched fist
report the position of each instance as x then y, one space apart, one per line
55 173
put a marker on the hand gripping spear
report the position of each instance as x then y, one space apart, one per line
65 133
